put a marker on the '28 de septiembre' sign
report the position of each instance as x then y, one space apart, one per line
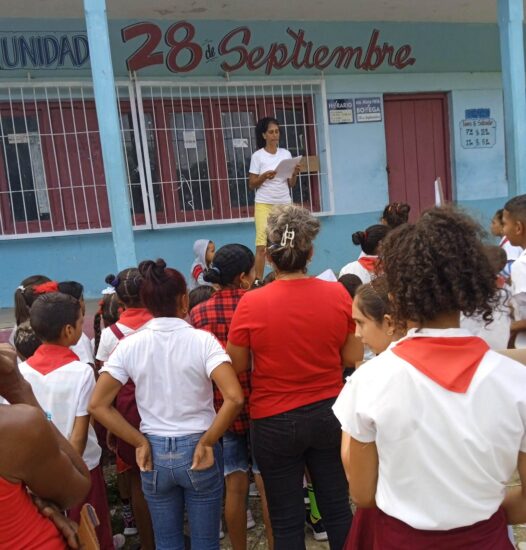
179 48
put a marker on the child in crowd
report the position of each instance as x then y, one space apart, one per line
83 348
232 270
514 228
376 329
199 294
109 312
351 283
177 449
369 240
204 251
26 341
395 214
447 439
497 333
512 252
24 298
63 386
127 285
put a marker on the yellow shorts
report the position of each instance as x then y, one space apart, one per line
261 212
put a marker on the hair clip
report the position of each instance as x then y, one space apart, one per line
21 288
116 282
108 290
288 236
44 288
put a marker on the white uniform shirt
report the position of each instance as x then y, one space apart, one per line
84 349
356 268
518 295
108 341
444 457
274 191
170 363
64 394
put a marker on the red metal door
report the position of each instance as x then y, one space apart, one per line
417 140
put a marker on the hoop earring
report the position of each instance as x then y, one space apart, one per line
243 287
390 332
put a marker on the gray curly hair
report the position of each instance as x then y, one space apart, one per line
290 232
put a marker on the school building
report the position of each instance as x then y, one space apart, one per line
380 98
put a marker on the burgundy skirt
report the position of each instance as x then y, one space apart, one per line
127 406
372 529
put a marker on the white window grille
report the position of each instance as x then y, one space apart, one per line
200 138
187 149
51 171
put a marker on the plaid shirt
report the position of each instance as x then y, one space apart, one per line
215 316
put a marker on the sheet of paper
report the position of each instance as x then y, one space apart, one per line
327 275
285 168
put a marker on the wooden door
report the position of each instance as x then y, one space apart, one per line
417 140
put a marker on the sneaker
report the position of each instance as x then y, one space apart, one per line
221 532
317 528
119 541
253 490
129 521
250 520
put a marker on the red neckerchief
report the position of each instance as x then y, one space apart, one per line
50 357
368 263
135 317
451 362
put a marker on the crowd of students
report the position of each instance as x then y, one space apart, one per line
194 391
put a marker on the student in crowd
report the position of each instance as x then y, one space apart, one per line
198 295
204 251
351 282
369 241
299 330
270 190
514 228
134 316
512 252
376 329
497 333
37 457
433 447
395 214
63 385
108 314
233 272
177 449
24 298
83 349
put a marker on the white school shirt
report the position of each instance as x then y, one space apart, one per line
108 341
497 333
170 363
64 394
274 191
444 457
84 349
518 295
356 268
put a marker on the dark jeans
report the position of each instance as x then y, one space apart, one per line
284 445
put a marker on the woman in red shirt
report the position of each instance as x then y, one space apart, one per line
299 330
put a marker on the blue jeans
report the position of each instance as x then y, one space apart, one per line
171 486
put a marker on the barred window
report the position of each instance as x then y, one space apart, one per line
187 150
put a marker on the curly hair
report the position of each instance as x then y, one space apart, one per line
438 265
290 232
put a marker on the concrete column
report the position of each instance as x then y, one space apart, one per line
511 18
110 132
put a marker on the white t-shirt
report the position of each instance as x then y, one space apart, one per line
444 457
84 349
356 268
274 191
518 295
497 333
108 341
170 363
64 394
